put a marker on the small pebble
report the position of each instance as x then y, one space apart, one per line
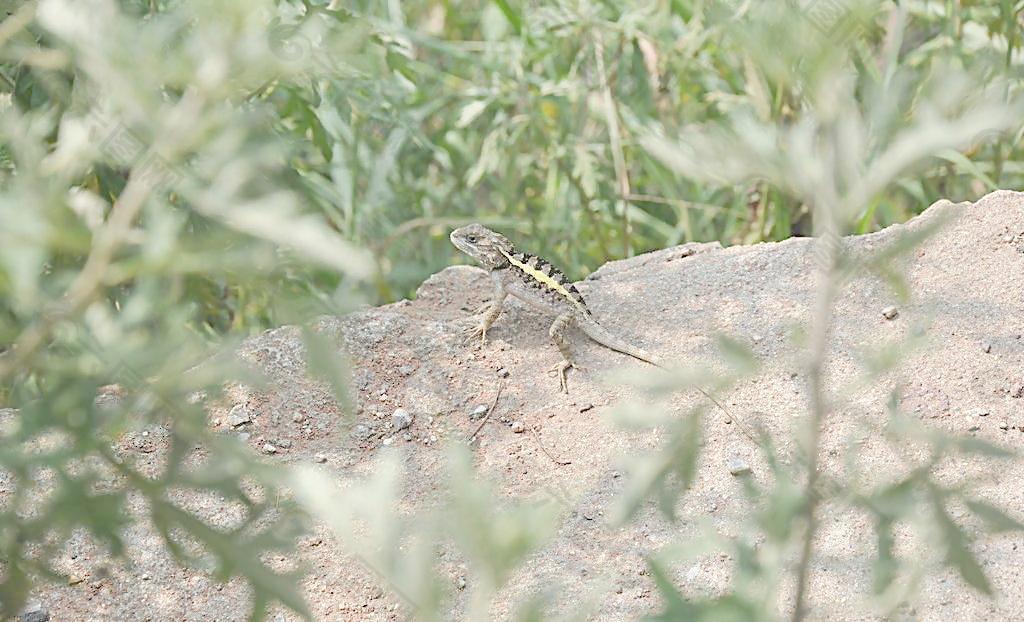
298 417
433 438
269 449
34 612
401 419
388 441
361 431
503 373
74 579
738 466
586 407
407 437
986 347
239 415
284 443
479 411
461 583
518 427
890 313
974 428
320 458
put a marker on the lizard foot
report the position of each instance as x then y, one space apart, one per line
560 368
478 330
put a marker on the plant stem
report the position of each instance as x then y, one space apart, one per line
89 282
615 139
828 249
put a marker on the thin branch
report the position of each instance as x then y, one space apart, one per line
490 410
536 437
413 224
651 198
107 241
86 285
828 245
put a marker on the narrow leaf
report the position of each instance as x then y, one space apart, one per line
995 519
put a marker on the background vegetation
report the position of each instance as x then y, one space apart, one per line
178 174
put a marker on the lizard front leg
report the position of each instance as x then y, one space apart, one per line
557 332
491 311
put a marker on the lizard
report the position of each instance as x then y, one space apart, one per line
541 285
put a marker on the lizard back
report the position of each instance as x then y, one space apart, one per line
540 276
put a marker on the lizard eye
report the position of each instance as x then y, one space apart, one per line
472 239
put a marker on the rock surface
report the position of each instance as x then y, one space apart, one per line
967 291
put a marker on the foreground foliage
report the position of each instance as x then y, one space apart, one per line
178 174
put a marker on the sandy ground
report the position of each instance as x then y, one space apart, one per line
967 303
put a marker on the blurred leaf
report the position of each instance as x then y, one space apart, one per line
583 170
971 168
470 112
362 517
728 608
738 355
328 364
495 536
958 552
236 553
639 415
973 445
995 519
886 566
652 476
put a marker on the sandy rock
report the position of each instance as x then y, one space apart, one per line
672 302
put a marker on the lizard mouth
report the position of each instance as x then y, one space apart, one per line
462 245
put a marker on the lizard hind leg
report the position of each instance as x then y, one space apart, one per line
558 334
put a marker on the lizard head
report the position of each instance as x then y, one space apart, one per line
482 244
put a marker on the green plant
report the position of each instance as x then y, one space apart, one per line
150 215
178 174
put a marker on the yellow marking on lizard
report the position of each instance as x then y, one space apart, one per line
543 278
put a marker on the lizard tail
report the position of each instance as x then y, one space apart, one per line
602 336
